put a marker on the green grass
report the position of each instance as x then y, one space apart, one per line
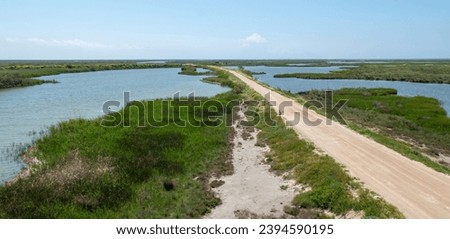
250 73
191 70
15 80
403 148
420 121
331 187
90 171
249 62
223 79
433 72
19 74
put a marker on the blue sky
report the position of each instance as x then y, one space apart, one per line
200 29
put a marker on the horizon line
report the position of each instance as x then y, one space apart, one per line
227 59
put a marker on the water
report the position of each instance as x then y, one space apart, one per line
152 62
437 91
80 95
202 70
33 109
273 70
298 64
357 62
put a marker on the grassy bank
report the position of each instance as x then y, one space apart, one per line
15 80
434 72
191 70
137 171
143 170
223 79
250 73
19 74
409 125
331 187
416 127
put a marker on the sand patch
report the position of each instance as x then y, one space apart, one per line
252 191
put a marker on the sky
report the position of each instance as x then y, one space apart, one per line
224 29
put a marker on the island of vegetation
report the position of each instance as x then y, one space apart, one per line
20 74
436 72
191 70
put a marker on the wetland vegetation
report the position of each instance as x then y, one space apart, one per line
412 126
90 171
191 70
435 72
19 74
331 188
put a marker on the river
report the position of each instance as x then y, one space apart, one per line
28 111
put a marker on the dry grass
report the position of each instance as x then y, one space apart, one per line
74 168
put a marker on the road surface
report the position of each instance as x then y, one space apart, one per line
416 190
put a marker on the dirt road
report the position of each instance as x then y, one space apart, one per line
418 191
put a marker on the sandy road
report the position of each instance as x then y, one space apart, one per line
418 191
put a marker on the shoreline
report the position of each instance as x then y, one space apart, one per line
29 161
25 79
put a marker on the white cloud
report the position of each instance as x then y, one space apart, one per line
254 38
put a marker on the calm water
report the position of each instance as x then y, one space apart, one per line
81 95
152 62
438 91
202 70
33 109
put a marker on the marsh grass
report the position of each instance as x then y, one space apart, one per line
435 72
17 74
191 70
419 122
90 171
331 187
15 80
